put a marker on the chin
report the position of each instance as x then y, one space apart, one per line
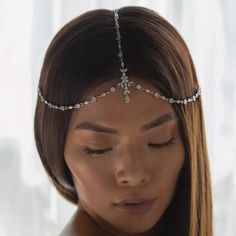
138 227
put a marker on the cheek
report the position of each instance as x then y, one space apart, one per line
169 171
90 179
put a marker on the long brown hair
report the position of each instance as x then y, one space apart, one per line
82 55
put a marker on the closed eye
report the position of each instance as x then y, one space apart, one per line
169 143
166 144
90 151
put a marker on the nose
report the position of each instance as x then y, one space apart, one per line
131 170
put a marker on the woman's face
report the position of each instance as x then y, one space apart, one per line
130 166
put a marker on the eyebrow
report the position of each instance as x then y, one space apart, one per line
153 124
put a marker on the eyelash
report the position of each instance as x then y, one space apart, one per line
167 144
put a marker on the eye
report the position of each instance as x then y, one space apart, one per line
169 143
165 144
90 151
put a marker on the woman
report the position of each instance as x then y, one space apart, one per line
119 126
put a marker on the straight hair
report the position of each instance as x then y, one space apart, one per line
82 55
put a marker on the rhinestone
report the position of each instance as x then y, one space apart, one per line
70 107
147 90
156 94
178 101
93 99
113 89
171 100
138 86
123 70
185 101
77 106
127 99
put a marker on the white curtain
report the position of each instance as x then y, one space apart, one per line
29 205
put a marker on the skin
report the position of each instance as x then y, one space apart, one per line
132 168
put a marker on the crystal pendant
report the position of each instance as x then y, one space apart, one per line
127 98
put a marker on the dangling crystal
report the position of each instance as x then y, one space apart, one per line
127 98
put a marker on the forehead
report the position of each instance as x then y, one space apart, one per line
112 111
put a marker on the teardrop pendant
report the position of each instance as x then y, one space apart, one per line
127 98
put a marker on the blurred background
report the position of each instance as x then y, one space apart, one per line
29 205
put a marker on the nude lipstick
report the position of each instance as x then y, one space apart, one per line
135 205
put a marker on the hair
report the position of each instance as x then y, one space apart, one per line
82 55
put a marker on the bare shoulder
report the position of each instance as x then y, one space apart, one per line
80 224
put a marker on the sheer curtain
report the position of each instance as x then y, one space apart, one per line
29 205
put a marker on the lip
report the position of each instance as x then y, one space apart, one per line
135 205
